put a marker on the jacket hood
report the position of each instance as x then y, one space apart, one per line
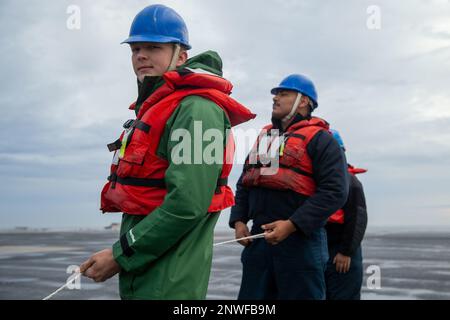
208 61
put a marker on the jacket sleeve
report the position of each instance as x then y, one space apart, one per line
190 187
355 218
239 212
330 175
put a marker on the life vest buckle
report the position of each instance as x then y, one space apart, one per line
128 124
116 145
113 179
221 183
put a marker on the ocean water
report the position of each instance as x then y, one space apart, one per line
410 265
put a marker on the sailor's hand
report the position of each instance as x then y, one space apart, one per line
101 266
241 231
277 231
342 263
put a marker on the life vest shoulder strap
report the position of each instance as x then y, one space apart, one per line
306 133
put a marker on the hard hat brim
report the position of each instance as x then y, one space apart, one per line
274 91
277 89
157 39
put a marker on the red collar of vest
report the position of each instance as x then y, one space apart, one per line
175 80
314 121
354 170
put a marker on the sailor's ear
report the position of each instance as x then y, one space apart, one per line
182 57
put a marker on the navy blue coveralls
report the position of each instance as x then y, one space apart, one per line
294 268
346 239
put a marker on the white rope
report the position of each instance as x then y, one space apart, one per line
257 236
69 281
78 274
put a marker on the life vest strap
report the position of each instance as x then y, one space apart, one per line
137 182
249 166
295 135
297 170
221 183
116 145
155 183
138 124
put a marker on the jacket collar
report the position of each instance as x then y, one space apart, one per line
297 118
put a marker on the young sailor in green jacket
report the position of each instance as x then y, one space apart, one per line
165 176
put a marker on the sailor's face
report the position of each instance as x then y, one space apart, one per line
282 103
151 58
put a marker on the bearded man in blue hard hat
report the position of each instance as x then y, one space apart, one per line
289 201
170 195
345 231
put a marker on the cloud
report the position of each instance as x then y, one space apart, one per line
64 93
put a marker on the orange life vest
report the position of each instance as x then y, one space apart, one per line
338 216
136 184
294 170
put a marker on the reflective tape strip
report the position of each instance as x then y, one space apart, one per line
133 239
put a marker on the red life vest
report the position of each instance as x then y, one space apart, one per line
338 216
136 184
295 170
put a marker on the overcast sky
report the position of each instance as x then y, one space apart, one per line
64 95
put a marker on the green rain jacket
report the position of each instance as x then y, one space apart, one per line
173 245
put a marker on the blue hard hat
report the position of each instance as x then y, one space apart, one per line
338 138
298 83
158 23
